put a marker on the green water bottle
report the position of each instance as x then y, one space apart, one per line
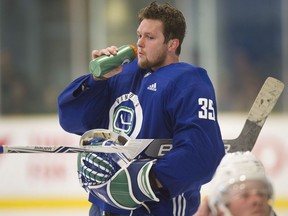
104 64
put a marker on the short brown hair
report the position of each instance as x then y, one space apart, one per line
173 21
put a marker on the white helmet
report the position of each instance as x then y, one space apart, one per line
234 168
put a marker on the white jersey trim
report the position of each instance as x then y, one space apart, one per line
179 205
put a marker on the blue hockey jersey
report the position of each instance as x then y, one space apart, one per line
176 102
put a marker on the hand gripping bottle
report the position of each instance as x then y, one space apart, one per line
104 64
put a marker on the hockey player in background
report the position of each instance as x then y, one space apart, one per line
240 187
155 96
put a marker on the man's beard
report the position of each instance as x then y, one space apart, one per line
147 64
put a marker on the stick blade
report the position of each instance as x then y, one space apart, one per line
265 101
260 110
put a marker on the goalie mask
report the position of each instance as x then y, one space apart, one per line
236 173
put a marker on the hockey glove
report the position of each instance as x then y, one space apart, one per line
110 177
104 165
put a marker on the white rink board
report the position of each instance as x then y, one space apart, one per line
37 174
30 177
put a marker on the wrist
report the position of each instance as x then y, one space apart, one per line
156 185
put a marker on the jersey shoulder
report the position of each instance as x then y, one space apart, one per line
185 74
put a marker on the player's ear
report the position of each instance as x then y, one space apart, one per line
173 44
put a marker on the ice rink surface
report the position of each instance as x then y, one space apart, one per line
45 212
64 212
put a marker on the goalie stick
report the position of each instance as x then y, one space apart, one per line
261 108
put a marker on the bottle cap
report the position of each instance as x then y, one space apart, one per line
134 49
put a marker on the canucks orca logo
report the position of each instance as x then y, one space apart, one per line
126 115
123 119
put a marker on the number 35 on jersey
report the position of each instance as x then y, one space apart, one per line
207 109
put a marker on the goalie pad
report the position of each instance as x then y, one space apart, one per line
129 188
